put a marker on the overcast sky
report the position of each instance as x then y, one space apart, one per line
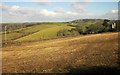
47 11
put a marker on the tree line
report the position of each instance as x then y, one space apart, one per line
93 28
13 26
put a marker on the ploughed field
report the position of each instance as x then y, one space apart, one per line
62 54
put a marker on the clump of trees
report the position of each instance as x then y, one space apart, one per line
90 29
98 27
66 32
93 28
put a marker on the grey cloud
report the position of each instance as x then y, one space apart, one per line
79 6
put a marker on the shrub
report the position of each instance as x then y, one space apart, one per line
66 32
74 32
63 32
96 28
82 29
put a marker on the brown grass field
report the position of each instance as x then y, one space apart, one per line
59 55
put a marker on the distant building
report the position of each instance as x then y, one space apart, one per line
113 25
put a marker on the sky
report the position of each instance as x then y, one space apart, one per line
57 11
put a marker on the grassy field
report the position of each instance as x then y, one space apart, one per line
46 33
60 55
36 32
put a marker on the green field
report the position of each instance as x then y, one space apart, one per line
46 33
36 32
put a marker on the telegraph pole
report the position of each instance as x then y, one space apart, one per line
5 33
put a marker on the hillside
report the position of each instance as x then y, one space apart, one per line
34 32
60 55
46 33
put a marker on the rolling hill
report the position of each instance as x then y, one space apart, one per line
35 32
61 55
46 33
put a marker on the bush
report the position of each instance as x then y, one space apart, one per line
66 32
82 29
63 32
96 28
74 32
79 29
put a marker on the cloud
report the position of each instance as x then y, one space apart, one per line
17 10
114 11
41 0
60 10
15 7
71 13
79 7
113 15
4 7
87 0
78 10
18 13
47 13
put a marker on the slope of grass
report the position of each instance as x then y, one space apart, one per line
63 54
35 28
25 31
46 33
11 36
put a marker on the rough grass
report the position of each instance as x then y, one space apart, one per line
61 55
